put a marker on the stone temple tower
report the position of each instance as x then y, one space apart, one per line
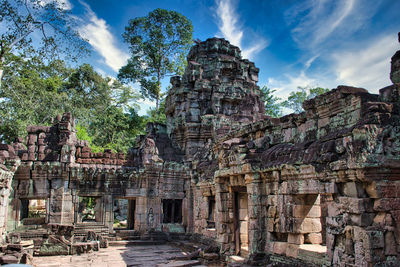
218 92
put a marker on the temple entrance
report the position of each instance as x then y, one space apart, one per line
90 209
33 211
241 222
124 213
172 210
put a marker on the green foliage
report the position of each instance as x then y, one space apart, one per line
272 106
29 95
158 44
115 129
296 99
89 202
48 23
157 115
34 92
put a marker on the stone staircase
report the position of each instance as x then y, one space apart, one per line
82 229
30 232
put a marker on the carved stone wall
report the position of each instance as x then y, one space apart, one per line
321 187
218 92
58 168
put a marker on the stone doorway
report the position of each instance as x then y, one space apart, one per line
33 211
90 209
241 222
124 210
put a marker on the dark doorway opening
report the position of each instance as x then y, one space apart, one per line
241 223
211 212
172 210
124 213
90 209
33 211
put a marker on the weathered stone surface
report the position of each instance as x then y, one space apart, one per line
221 169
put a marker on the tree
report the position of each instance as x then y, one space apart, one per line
34 92
272 106
158 44
49 24
30 95
296 99
157 115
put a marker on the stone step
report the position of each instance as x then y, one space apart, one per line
180 264
126 243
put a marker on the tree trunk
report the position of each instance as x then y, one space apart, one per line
1 66
157 99
1 74
159 89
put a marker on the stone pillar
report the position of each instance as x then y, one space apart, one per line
140 219
256 211
108 211
67 208
5 190
224 216
55 205
188 206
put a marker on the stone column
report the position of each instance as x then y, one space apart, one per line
5 190
224 216
256 211
108 216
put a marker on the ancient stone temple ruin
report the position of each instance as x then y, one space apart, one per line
319 188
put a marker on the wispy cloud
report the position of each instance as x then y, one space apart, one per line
98 33
368 66
232 30
315 20
63 4
325 33
290 83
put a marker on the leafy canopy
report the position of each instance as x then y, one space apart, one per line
271 102
158 44
296 99
34 92
38 28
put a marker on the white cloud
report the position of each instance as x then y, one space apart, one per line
63 4
228 22
368 66
290 83
318 19
232 31
98 33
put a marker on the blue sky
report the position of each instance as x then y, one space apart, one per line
294 43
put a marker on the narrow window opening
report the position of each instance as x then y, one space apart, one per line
211 212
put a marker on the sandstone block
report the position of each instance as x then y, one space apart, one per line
307 225
292 250
334 209
313 238
387 204
301 211
279 248
364 219
356 205
353 189
390 244
296 239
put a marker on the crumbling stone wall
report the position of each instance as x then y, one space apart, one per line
218 92
320 187
326 176
60 169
